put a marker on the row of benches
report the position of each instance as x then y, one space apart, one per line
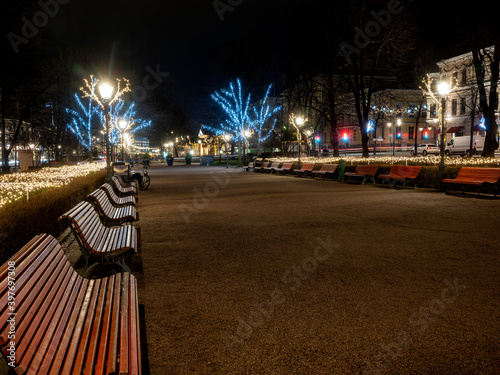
53 320
480 179
362 172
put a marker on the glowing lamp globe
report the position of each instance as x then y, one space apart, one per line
106 91
123 124
443 88
299 121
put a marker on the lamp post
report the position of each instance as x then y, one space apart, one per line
123 124
443 91
391 136
227 137
297 122
106 91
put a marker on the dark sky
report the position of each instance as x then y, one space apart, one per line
186 38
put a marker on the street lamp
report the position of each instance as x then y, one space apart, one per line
123 124
443 91
297 122
391 135
106 91
227 137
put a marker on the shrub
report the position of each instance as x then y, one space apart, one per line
21 220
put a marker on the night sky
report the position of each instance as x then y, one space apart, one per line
191 42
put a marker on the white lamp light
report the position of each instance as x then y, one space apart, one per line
106 91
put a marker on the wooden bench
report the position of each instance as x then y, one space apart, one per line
259 168
109 213
271 167
365 172
401 173
64 323
478 178
305 170
115 199
132 183
100 244
122 191
248 167
284 169
325 171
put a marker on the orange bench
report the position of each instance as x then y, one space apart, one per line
115 199
325 170
110 214
248 167
263 165
98 243
285 168
305 170
401 173
366 172
64 323
121 189
476 177
271 167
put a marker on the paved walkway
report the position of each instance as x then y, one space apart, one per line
245 273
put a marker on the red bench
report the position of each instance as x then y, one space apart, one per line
64 323
110 214
285 168
248 167
272 167
479 178
259 168
325 171
98 243
122 190
366 172
401 173
305 170
115 199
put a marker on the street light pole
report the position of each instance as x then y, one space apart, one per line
106 91
443 90
297 122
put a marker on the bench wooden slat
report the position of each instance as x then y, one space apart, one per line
67 324
124 328
109 213
401 173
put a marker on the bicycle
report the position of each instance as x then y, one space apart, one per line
143 179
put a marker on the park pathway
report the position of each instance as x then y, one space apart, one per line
245 273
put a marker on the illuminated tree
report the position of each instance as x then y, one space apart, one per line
81 120
235 106
261 120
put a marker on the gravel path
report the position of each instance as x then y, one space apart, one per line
245 273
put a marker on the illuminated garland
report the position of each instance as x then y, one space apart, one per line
17 185
420 160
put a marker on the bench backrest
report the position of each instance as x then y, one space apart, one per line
287 165
265 164
404 171
120 187
329 167
367 169
307 166
65 322
491 175
115 198
107 210
274 165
